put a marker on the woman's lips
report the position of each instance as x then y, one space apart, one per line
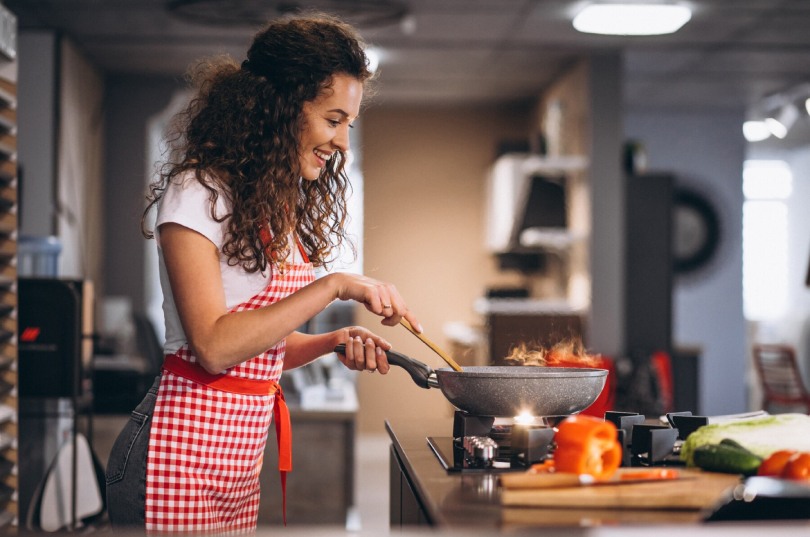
322 157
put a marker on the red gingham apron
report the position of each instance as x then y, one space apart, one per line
206 443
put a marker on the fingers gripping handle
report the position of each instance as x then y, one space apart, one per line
422 374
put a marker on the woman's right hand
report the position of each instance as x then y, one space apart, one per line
380 298
364 351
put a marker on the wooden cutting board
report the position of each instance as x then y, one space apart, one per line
693 491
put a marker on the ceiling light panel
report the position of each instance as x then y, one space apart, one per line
632 19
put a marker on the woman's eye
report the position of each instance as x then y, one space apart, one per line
333 122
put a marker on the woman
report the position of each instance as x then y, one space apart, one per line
253 196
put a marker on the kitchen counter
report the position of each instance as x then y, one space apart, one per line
424 494
443 499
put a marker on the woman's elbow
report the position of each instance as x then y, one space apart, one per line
207 359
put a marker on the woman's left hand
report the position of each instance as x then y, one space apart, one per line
365 351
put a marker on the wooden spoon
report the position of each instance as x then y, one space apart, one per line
446 357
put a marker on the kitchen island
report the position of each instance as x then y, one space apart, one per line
423 493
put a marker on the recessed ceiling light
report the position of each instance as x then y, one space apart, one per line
632 19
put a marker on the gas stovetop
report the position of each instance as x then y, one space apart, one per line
454 457
487 444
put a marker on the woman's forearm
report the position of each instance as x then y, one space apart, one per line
304 348
236 337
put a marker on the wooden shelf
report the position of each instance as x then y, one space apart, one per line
8 94
9 404
8 152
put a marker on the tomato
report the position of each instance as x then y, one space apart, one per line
786 463
587 445
798 467
775 463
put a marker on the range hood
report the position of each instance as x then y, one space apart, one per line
527 209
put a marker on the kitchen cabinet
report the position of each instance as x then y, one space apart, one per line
404 507
648 263
320 489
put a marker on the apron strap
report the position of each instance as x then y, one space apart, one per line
281 416
281 413
266 237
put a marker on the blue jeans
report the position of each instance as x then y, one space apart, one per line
126 468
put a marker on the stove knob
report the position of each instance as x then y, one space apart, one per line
486 449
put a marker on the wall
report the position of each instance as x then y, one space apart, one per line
130 102
424 180
37 111
60 150
80 185
705 150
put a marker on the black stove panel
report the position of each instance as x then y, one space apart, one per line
482 444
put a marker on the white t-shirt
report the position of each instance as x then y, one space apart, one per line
186 202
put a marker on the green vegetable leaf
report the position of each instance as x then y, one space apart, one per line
760 436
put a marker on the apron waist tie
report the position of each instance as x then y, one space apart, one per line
281 413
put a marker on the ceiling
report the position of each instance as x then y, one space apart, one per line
731 54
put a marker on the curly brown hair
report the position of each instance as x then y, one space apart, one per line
240 135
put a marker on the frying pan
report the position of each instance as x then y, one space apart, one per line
506 391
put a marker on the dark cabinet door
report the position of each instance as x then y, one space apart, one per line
648 283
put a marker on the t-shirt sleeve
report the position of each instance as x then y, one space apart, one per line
187 202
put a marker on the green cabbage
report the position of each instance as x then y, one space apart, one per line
761 436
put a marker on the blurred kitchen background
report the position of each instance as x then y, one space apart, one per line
516 179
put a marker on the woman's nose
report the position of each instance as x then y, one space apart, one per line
341 139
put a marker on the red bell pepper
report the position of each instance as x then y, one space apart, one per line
587 445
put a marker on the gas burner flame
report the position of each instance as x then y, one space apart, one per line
524 418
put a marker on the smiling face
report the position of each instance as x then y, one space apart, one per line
326 124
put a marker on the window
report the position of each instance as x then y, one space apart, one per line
767 185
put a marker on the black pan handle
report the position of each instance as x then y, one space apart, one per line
422 374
